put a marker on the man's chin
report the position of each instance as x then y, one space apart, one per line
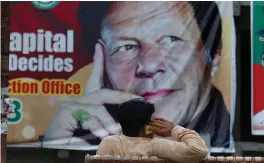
154 99
161 97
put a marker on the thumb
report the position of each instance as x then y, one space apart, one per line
96 77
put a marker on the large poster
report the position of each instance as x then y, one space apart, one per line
68 60
257 62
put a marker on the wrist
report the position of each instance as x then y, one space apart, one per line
171 131
176 131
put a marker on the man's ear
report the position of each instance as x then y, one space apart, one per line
216 62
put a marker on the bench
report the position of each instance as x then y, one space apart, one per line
151 159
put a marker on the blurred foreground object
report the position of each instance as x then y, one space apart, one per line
6 103
152 159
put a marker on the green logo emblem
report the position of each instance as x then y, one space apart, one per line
45 5
17 115
81 115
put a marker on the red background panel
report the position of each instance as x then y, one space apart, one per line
258 88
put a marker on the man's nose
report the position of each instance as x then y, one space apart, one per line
148 66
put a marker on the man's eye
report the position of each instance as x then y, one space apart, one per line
125 48
170 39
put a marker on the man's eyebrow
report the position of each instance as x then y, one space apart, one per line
125 38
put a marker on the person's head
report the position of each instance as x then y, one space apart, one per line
134 116
163 51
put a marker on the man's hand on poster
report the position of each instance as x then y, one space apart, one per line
87 112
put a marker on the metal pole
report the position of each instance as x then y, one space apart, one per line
5 32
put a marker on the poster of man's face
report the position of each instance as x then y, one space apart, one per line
166 53
176 55
158 54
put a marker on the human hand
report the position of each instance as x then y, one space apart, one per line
161 127
89 109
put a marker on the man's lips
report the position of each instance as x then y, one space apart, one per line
157 94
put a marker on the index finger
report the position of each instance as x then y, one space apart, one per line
161 119
157 125
104 96
96 77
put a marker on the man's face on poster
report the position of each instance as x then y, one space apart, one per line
154 49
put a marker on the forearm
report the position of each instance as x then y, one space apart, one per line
194 146
188 147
